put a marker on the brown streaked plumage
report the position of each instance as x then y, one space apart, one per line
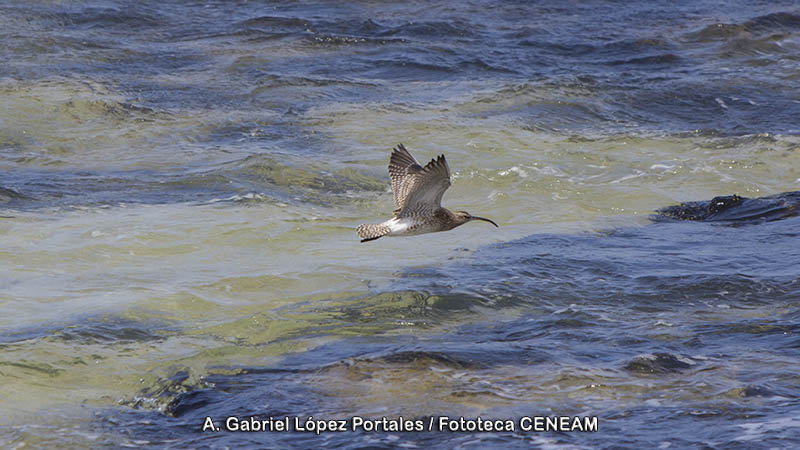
417 199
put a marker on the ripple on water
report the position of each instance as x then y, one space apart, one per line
180 181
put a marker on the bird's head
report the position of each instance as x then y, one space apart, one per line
463 217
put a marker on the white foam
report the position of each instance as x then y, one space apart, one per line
514 169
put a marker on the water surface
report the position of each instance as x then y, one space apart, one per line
181 182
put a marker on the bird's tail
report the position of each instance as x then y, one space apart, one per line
370 232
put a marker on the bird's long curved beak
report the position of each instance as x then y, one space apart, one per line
485 220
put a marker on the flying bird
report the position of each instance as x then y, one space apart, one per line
417 199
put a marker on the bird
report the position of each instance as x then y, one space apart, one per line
417 199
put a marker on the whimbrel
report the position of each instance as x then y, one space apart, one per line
417 199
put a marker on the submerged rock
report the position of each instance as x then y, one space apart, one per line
6 195
735 209
658 363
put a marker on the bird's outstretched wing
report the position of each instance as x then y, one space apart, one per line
402 168
417 190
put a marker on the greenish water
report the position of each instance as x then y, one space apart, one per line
181 184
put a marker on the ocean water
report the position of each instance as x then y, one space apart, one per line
180 184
